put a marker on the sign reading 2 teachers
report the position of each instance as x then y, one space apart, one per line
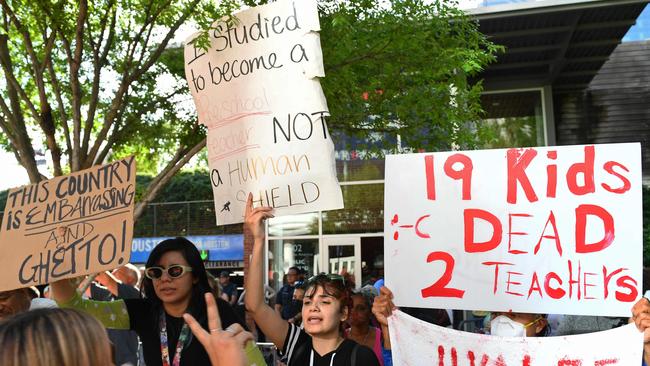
538 230
256 89
68 226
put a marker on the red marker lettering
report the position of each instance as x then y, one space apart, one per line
471 246
517 164
587 170
582 212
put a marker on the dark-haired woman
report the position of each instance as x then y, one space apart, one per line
175 283
326 305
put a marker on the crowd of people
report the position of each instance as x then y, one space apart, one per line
177 314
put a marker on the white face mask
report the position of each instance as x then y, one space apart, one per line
506 327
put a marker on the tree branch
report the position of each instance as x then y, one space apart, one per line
54 81
75 64
161 47
97 67
163 178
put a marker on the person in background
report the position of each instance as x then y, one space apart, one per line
54 337
14 302
120 285
361 329
298 297
228 289
284 300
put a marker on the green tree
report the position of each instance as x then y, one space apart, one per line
85 78
404 67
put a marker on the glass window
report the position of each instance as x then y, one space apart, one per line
363 212
301 253
513 119
372 259
294 225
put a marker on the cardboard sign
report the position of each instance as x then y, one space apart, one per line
415 343
257 92
537 230
68 226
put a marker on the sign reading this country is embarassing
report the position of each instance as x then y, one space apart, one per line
256 89
538 230
68 226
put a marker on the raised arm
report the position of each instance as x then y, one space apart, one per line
383 307
112 314
109 281
271 323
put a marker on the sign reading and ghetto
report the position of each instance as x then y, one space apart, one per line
68 226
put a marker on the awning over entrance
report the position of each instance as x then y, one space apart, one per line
554 42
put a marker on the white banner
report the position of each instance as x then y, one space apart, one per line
257 91
415 343
537 230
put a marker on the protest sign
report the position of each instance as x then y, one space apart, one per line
541 230
415 342
256 90
68 226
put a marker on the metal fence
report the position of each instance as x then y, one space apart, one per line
179 219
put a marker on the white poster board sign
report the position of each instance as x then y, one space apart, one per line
416 343
257 91
537 230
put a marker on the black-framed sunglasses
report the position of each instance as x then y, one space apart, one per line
174 271
326 277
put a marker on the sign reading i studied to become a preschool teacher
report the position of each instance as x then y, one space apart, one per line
68 226
256 89
551 230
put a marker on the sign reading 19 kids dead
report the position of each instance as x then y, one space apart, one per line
539 230
68 226
257 92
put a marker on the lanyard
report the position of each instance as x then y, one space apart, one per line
164 348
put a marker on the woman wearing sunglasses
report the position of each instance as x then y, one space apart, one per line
326 305
175 284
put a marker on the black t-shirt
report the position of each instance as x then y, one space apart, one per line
284 298
299 350
143 315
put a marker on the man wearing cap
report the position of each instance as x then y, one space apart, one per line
284 300
228 289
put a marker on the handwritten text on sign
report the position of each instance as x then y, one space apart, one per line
68 226
256 89
550 230
415 343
